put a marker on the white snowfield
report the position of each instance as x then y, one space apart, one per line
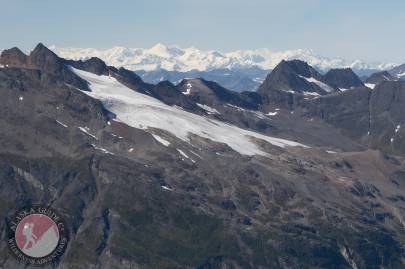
400 75
173 58
322 85
370 85
142 111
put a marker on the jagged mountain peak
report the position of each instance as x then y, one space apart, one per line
93 64
291 77
40 52
40 46
300 67
398 71
37 59
342 78
13 57
379 77
13 50
164 51
45 60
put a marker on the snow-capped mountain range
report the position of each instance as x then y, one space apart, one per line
307 157
173 58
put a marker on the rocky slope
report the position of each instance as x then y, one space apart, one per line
378 77
165 176
398 71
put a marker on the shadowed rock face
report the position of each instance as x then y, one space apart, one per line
93 65
349 111
295 208
43 59
342 79
212 94
380 77
13 57
387 112
374 117
166 91
289 76
397 71
289 83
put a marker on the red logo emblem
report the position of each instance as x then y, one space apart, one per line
37 235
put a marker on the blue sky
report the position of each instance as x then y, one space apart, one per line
369 30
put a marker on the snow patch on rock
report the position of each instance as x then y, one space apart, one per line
61 123
370 85
86 130
161 140
209 109
322 85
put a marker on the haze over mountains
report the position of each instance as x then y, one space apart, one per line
306 172
238 70
173 58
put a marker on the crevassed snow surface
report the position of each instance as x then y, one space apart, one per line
142 111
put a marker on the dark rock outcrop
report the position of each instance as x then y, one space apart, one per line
43 59
94 65
380 77
212 94
398 71
387 110
290 76
343 78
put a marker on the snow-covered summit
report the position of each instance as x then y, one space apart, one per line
174 58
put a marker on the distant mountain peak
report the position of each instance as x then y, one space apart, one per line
342 78
173 58
164 51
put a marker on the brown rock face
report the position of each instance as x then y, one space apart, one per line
45 60
13 57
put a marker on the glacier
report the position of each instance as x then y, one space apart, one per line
144 112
